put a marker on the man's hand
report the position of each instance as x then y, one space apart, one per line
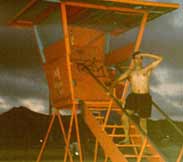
149 55
154 64
108 83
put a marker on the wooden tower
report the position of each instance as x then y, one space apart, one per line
75 63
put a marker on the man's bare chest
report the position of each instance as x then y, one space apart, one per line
138 75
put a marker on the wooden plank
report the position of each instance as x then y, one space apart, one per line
22 24
146 3
103 7
23 10
180 156
44 14
57 77
119 55
105 141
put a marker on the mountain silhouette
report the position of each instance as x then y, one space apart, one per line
22 127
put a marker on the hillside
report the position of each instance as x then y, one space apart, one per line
21 127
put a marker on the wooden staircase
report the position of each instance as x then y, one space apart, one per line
108 137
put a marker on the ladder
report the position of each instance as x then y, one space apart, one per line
106 135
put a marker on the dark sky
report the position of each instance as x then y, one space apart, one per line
22 80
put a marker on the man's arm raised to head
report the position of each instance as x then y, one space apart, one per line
154 64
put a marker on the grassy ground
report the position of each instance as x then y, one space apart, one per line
56 155
30 155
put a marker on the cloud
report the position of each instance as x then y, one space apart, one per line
23 87
168 81
168 91
175 19
37 105
4 105
167 73
23 82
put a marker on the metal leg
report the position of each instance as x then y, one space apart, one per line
46 137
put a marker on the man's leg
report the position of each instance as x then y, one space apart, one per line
143 124
126 123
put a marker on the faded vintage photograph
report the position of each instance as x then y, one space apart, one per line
91 80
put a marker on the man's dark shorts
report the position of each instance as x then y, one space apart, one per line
140 104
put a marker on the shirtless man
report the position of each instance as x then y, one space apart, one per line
139 100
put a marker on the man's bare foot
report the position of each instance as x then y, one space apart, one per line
147 152
125 141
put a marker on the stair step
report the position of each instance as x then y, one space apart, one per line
123 135
143 156
130 145
116 109
99 117
99 103
118 126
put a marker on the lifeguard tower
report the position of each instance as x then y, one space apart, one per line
75 53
